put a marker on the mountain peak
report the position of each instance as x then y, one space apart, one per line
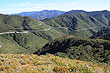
39 15
75 12
105 11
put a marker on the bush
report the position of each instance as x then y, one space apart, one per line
60 69
23 63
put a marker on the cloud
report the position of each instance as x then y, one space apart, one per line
37 7
50 4
30 4
18 10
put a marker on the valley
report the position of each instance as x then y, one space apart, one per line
50 44
25 30
55 36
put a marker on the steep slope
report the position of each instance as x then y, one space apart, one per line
25 63
39 15
28 33
78 48
77 24
16 22
102 34
10 46
74 12
102 16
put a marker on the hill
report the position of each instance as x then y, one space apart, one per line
102 34
80 25
31 34
39 15
74 12
23 63
101 16
78 22
78 48
24 33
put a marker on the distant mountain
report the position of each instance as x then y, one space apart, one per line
78 48
74 12
39 15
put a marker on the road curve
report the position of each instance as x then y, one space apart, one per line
13 32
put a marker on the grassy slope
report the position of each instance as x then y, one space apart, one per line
10 46
31 41
13 63
28 41
77 22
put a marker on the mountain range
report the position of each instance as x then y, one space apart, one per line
27 34
39 15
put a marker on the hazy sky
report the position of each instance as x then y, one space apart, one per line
16 6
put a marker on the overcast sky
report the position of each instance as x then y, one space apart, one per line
16 6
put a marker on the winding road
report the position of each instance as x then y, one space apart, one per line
13 32
49 27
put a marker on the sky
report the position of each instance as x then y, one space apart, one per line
17 6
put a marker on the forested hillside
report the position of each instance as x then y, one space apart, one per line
102 34
79 48
80 25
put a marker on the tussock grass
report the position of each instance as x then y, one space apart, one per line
23 63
